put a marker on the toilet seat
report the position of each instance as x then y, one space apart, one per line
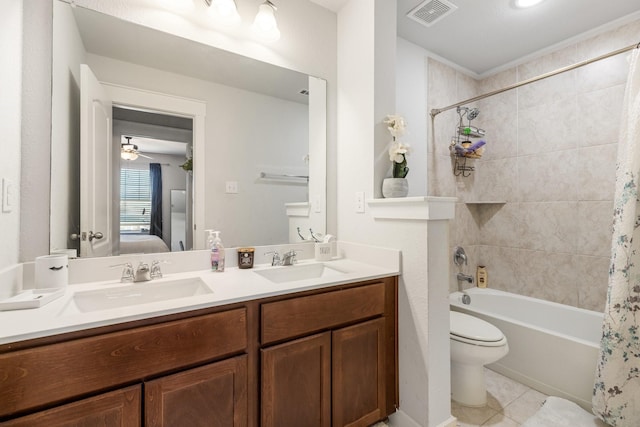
472 330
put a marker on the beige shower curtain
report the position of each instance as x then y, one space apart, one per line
616 395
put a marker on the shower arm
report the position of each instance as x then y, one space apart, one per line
434 112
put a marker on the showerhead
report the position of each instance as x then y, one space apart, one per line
472 113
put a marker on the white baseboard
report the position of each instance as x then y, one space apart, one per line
400 419
451 422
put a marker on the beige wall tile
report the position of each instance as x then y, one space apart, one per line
548 177
549 276
594 228
546 128
500 224
593 281
598 116
548 226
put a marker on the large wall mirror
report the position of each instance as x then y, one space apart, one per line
237 145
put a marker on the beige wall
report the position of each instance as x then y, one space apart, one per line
551 150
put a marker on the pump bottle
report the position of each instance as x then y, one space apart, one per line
217 253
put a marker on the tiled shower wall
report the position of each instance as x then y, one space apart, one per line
537 211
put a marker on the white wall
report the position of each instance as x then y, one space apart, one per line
367 93
36 129
10 121
411 103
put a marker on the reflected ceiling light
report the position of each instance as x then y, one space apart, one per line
527 3
128 151
128 154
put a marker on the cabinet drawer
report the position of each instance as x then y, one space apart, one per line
120 408
53 373
304 315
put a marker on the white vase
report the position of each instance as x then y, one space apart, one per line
395 187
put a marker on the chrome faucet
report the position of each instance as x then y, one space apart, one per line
156 273
127 272
143 273
276 258
289 258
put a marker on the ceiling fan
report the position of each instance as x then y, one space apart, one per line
130 151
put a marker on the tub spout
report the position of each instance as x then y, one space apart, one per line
464 278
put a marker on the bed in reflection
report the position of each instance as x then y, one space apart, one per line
141 244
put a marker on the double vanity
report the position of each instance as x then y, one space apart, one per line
310 344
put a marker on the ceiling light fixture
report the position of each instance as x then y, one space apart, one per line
227 11
264 25
522 4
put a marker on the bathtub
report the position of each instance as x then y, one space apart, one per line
553 348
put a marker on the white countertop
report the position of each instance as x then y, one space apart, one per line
232 286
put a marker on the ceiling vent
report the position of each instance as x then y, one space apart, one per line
429 12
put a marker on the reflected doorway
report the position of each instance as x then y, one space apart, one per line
151 168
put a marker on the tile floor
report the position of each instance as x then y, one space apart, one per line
509 404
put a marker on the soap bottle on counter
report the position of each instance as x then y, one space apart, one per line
217 253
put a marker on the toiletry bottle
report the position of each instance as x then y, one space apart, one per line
217 253
482 277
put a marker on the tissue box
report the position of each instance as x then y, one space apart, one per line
323 251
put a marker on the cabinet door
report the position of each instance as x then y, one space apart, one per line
214 395
296 383
119 408
358 374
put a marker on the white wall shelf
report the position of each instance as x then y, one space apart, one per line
415 208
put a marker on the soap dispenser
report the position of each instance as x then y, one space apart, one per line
217 253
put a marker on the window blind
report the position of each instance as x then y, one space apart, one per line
135 198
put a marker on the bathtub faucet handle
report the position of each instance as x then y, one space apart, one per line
459 256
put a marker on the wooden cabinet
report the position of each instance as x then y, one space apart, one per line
344 376
358 382
212 395
296 383
58 372
318 358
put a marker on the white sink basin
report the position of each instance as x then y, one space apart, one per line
139 293
297 272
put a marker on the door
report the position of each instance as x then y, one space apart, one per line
214 395
358 370
296 383
95 166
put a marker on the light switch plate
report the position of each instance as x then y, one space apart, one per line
231 187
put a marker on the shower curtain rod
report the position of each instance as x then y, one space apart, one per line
436 111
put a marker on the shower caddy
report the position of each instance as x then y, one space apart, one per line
461 139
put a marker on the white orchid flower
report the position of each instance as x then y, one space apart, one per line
395 124
398 150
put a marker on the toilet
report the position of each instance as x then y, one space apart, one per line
474 343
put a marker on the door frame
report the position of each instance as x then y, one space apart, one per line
178 106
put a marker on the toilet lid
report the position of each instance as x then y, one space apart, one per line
473 328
